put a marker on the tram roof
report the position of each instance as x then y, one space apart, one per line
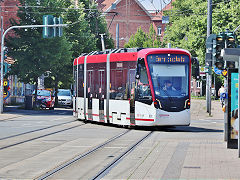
114 57
144 52
118 55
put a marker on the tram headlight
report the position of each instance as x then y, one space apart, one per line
187 104
157 104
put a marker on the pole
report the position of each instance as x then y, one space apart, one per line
2 53
117 36
209 76
169 45
102 40
238 106
1 93
225 104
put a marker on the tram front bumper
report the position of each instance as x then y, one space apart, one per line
164 118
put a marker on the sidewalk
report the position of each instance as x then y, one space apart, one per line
207 155
199 110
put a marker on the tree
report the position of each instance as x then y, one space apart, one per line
34 55
98 25
78 32
188 23
142 39
152 39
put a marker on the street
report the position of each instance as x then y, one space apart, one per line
52 144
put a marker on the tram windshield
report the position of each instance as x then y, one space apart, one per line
169 73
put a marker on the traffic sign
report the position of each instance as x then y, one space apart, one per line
224 72
217 71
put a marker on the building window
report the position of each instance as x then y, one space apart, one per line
159 31
165 19
198 84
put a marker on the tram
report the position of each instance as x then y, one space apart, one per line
134 87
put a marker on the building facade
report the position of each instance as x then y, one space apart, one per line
130 15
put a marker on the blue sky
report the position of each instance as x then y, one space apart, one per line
153 5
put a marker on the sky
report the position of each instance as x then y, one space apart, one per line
153 5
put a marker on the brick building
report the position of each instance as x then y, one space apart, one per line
130 15
8 10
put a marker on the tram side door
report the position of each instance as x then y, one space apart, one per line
90 93
101 93
132 95
75 74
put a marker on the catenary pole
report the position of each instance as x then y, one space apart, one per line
2 52
209 75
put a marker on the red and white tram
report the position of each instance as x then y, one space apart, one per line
138 87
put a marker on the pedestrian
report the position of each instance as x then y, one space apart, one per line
222 94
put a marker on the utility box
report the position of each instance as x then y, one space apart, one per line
29 102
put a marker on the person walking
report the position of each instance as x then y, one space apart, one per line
222 94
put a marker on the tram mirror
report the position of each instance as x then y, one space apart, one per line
139 66
140 60
138 70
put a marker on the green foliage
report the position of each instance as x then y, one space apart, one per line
98 25
188 23
78 33
142 39
35 55
32 53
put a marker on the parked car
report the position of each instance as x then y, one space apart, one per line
45 98
64 97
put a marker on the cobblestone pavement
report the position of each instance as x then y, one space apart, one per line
195 152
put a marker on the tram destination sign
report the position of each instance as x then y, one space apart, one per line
168 58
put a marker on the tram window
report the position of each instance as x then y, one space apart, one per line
112 85
102 83
143 89
176 74
80 80
143 76
168 70
131 80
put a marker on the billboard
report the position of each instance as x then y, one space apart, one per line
233 121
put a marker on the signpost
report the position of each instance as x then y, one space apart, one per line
2 53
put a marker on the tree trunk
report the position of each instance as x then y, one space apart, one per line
35 95
56 92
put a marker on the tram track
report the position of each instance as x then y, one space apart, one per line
108 168
32 131
82 157
37 137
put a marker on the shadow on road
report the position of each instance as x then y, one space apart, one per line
161 128
43 112
192 129
69 112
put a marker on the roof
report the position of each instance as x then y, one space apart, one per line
107 5
153 8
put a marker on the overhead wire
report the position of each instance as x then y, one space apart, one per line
95 9
173 12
